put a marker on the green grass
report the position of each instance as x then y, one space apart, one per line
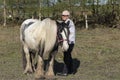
98 51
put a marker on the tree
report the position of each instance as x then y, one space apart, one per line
4 24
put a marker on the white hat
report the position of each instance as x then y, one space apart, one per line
66 12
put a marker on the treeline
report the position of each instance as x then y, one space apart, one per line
102 12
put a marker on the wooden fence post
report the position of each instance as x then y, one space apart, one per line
86 21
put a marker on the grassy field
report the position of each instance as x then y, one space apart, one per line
96 55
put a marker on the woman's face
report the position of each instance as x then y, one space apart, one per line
65 17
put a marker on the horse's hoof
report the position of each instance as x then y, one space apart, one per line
25 72
50 74
28 72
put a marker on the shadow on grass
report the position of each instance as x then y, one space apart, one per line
58 66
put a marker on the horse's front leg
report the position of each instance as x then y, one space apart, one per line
50 71
39 73
28 68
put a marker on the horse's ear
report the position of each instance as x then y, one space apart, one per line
68 23
59 26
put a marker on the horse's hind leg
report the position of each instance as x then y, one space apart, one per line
28 67
33 57
40 68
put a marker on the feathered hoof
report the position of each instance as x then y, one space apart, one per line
28 71
50 74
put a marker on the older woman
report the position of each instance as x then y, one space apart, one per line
68 68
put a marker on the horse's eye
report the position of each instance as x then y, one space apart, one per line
60 30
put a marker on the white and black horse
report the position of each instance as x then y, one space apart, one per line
41 38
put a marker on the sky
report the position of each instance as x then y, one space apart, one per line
104 1
101 2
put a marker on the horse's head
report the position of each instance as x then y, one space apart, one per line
63 35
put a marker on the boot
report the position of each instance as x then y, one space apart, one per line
64 72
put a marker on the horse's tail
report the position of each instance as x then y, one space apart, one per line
23 58
22 29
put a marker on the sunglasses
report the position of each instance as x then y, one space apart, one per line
65 15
